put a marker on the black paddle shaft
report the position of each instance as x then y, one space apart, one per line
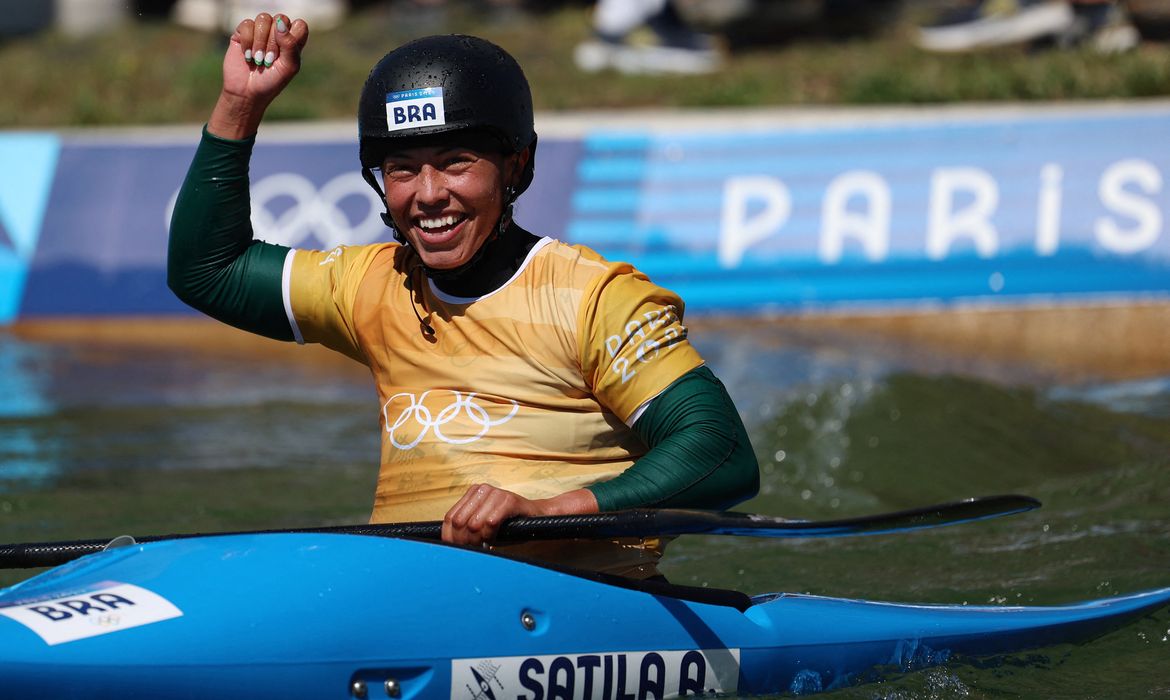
640 522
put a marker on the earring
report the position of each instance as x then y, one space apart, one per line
506 217
505 221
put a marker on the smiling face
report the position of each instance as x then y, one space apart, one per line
447 198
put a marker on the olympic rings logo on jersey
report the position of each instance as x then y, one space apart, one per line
414 413
289 209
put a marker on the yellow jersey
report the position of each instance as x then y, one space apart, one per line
530 388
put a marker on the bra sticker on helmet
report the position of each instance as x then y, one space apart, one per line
413 108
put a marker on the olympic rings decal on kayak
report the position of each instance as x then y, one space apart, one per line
416 413
289 209
112 620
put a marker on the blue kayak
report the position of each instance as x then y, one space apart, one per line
336 616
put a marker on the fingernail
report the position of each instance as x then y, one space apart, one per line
269 58
258 58
280 25
247 54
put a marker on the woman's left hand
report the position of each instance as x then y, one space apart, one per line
477 516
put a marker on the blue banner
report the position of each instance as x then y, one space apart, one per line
825 217
1035 205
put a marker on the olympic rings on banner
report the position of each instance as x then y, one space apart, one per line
418 415
315 212
289 209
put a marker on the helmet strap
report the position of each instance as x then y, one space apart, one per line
372 181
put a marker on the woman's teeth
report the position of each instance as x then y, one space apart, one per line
438 223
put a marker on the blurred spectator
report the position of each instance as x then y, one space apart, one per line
980 24
1152 18
22 17
225 15
1103 25
76 18
645 36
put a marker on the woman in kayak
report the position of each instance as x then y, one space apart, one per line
518 375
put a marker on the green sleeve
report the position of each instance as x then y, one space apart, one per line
699 456
213 264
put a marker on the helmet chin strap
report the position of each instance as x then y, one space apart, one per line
372 181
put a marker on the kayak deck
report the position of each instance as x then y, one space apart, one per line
309 615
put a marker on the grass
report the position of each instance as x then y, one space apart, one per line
153 72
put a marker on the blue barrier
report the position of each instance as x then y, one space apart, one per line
29 161
990 208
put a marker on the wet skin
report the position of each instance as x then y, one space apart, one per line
448 198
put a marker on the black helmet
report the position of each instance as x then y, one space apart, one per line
440 84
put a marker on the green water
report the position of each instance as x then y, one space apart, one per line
97 441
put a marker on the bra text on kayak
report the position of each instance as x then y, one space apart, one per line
80 615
